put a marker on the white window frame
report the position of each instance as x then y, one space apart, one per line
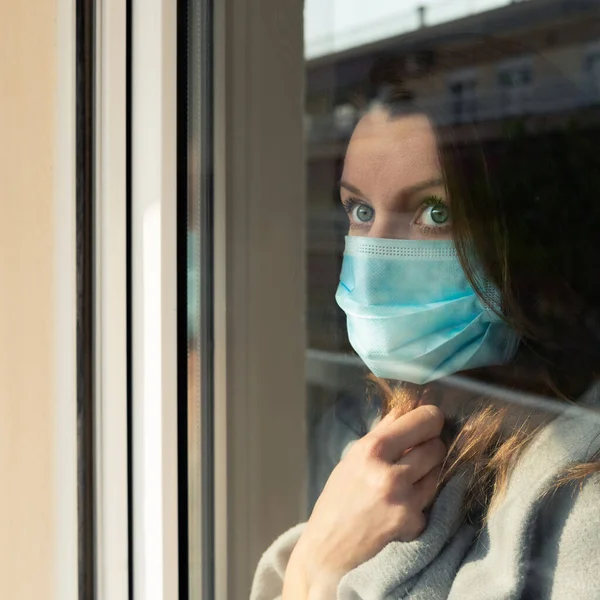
259 392
65 559
153 255
111 481
154 301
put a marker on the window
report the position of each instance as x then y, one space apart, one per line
338 267
462 87
360 227
515 78
330 283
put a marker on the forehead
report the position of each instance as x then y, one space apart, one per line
399 151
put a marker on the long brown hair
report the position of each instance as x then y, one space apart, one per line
526 217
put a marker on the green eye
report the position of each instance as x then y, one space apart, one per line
363 213
439 214
435 216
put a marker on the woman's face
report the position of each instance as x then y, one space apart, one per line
392 183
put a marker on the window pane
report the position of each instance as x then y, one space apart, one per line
196 228
452 169
459 155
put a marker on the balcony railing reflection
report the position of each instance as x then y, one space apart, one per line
545 98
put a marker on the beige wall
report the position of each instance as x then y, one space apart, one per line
27 117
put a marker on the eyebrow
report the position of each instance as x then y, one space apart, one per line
351 188
404 193
419 187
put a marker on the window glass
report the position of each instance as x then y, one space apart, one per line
452 174
451 424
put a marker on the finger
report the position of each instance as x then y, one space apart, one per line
424 489
388 418
418 461
411 429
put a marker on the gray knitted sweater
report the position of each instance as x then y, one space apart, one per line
536 544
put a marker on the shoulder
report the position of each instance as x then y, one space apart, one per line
574 507
541 536
565 562
569 538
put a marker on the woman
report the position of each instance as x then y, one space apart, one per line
469 277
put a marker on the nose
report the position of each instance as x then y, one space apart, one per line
396 226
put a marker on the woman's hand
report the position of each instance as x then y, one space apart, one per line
375 495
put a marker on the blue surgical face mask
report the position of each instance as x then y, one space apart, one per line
412 314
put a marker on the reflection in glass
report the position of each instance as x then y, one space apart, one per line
464 169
